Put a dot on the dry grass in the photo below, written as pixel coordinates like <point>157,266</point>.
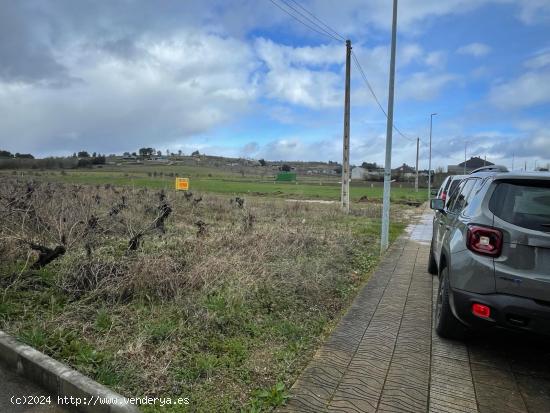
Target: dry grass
<point>219,301</point>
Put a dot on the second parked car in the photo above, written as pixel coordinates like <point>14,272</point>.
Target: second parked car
<point>449,185</point>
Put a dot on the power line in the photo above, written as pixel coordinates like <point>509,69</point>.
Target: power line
<point>314,23</point>
<point>316,28</point>
<point>362,72</point>
<point>356,61</point>
<point>402,134</point>
<point>319,20</point>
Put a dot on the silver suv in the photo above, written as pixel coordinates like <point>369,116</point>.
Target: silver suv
<point>491,250</point>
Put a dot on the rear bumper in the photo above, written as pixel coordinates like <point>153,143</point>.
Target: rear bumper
<point>507,311</point>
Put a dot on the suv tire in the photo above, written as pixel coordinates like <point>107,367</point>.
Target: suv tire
<point>446,324</point>
<point>432,265</point>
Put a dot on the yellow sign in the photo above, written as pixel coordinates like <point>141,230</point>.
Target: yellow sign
<point>182,184</point>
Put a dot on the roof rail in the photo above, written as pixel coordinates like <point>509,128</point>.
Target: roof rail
<point>491,168</point>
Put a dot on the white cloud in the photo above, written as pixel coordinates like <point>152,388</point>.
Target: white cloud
<point>531,88</point>
<point>423,85</point>
<point>533,144</point>
<point>474,49</point>
<point>302,75</point>
<point>297,148</point>
<point>539,61</point>
<point>436,59</point>
<point>408,53</point>
<point>358,16</point>
<point>532,11</point>
<point>180,86</point>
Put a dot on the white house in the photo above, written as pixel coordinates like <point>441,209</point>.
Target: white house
<point>358,173</point>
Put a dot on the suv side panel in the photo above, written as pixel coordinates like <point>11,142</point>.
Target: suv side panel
<point>442,224</point>
<point>469,272</point>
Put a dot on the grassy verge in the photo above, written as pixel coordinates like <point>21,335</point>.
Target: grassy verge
<point>223,304</point>
<point>163,178</point>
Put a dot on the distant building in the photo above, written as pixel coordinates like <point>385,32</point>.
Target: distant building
<point>471,164</point>
<point>358,173</point>
<point>160,159</point>
<point>404,171</point>
<point>371,171</point>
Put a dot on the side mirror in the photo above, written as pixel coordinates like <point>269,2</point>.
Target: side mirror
<point>437,203</point>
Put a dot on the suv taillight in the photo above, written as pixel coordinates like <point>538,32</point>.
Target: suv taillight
<point>484,240</point>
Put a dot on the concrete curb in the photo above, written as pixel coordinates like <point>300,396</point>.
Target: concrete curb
<point>59,379</point>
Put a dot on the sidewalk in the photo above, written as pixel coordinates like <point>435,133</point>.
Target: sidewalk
<point>385,357</point>
<point>12,385</point>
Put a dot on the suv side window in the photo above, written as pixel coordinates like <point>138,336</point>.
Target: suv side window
<point>463,195</point>
<point>473,201</point>
<point>454,195</point>
<point>452,188</point>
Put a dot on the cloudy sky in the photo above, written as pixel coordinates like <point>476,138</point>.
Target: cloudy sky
<point>242,78</point>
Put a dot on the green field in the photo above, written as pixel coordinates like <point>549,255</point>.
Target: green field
<point>219,181</point>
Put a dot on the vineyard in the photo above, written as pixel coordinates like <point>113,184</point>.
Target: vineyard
<point>159,293</point>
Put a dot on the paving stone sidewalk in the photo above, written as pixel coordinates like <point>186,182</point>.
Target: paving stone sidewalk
<point>14,388</point>
<point>385,357</point>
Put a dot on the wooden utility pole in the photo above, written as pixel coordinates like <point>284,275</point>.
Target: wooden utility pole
<point>345,163</point>
<point>416,177</point>
<point>385,233</point>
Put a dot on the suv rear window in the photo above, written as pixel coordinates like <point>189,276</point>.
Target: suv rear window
<point>525,204</point>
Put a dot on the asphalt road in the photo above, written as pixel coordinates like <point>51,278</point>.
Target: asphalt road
<point>14,388</point>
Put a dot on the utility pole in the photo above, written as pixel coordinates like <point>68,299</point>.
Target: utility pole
<point>345,163</point>
<point>430,159</point>
<point>416,177</point>
<point>385,233</point>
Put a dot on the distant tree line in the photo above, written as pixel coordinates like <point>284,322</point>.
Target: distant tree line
<point>46,163</point>
<point>82,159</point>
<point>371,166</point>
<point>8,154</point>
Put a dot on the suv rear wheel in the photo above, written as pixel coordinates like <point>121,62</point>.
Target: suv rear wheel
<point>446,324</point>
<point>432,265</point>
